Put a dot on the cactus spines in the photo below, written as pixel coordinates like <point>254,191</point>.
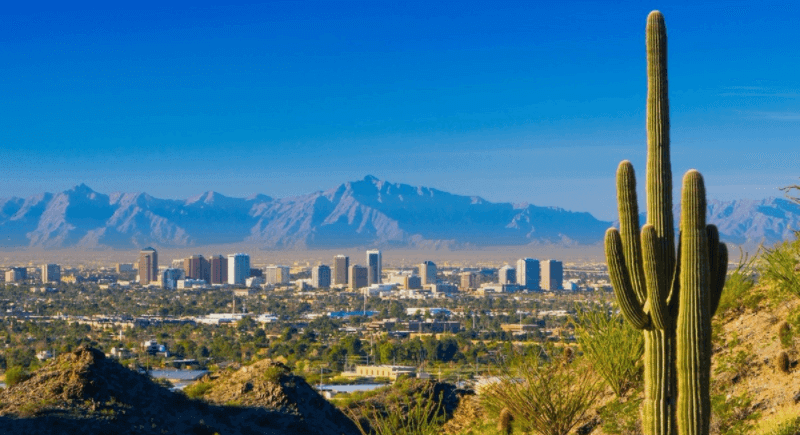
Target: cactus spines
<point>504,422</point>
<point>782,362</point>
<point>669,294</point>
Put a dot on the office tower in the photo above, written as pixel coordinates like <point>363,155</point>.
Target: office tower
<point>321,276</point>
<point>507,275</point>
<point>276,275</point>
<point>427,272</point>
<point>197,267</point>
<point>238,268</point>
<point>13,275</point>
<point>170,277</point>
<point>469,280</point>
<point>373,267</point>
<point>148,266</point>
<point>341,266</point>
<point>218,269</point>
<point>552,275</point>
<point>358,277</point>
<point>51,273</point>
<point>23,272</point>
<point>528,273</point>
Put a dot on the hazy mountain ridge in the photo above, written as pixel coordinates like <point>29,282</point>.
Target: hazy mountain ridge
<point>368,212</point>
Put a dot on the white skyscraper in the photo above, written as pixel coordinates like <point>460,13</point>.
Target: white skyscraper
<point>238,268</point>
<point>506,275</point>
<point>528,275</point>
<point>552,275</point>
<point>427,271</point>
<point>373,267</point>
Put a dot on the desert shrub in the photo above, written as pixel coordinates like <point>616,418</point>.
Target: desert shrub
<point>777,265</point>
<point>736,294</point>
<point>782,362</point>
<point>622,417</point>
<point>785,335</point>
<point>613,346</point>
<point>16,375</point>
<point>409,415</point>
<point>274,373</point>
<point>732,415</point>
<point>548,398</point>
<point>197,389</point>
<point>786,426</point>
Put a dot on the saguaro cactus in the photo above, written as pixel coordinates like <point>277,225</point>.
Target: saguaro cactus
<point>649,280</point>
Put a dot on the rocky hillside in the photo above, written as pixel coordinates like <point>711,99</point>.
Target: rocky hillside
<point>85,393</point>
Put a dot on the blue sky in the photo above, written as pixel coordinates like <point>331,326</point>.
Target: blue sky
<point>513,101</point>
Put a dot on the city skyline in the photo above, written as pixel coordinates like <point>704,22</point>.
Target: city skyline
<point>559,91</point>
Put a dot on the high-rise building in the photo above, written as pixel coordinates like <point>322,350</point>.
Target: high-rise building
<point>148,266</point>
<point>277,275</point>
<point>528,273</point>
<point>341,265</point>
<point>507,275</point>
<point>552,275</point>
<point>358,277</point>
<point>469,280</point>
<point>238,269</point>
<point>321,276</point>
<point>23,272</point>
<point>427,272</point>
<point>197,267</point>
<point>373,267</point>
<point>218,269</point>
<point>170,278</point>
<point>13,275</point>
<point>51,273</point>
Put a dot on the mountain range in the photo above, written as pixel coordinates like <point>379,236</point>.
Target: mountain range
<point>369,212</point>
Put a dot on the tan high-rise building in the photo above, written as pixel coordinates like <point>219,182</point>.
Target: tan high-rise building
<point>469,280</point>
<point>427,272</point>
<point>218,269</point>
<point>197,267</point>
<point>148,266</point>
<point>374,267</point>
<point>51,273</point>
<point>341,266</point>
<point>552,275</point>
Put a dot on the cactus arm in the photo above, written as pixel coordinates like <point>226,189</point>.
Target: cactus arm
<point>629,228</point>
<point>657,300</point>
<point>718,279</point>
<point>693,332</point>
<point>620,280</point>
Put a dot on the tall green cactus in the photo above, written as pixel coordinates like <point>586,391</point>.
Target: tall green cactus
<point>648,279</point>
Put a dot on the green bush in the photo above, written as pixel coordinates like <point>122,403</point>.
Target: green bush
<point>16,375</point>
<point>409,415</point>
<point>785,335</point>
<point>622,417</point>
<point>197,390</point>
<point>548,398</point>
<point>790,426</point>
<point>736,294</point>
<point>612,345</point>
<point>777,268</point>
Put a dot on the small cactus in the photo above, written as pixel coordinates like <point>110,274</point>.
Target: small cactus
<point>783,363</point>
<point>504,422</point>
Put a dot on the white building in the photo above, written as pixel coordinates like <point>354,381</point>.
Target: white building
<point>321,276</point>
<point>427,272</point>
<point>507,275</point>
<point>238,269</point>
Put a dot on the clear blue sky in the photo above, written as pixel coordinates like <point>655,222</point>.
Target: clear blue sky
<point>514,101</point>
